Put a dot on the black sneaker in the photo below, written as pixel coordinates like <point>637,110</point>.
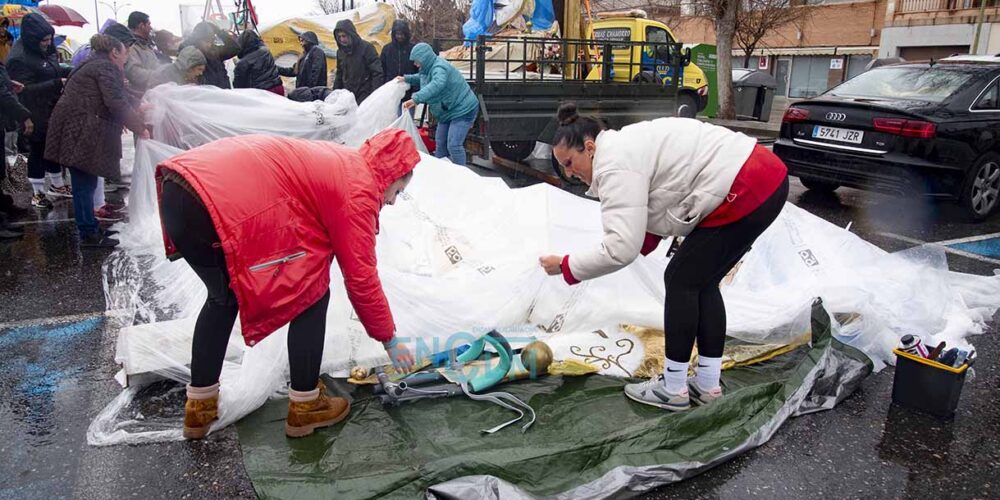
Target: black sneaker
<point>98,241</point>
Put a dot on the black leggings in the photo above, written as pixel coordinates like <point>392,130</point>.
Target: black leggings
<point>694,308</point>
<point>38,166</point>
<point>190,228</point>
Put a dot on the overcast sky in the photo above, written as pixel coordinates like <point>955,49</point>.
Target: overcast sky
<point>165,14</point>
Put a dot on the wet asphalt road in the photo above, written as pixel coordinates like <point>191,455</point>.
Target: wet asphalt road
<point>56,369</point>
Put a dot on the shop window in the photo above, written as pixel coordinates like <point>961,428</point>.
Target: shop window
<point>810,76</point>
<point>856,65</point>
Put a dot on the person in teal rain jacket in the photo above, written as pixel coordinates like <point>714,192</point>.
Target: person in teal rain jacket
<point>450,98</point>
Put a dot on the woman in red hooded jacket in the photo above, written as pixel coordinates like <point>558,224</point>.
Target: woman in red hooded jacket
<point>260,219</point>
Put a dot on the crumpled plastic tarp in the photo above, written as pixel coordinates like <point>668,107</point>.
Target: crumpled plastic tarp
<point>458,253</point>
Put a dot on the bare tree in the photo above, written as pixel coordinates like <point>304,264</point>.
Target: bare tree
<point>328,6</point>
<point>430,19</point>
<point>337,6</point>
<point>725,14</point>
<point>757,19</point>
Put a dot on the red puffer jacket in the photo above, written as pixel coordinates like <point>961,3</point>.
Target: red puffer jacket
<point>284,208</point>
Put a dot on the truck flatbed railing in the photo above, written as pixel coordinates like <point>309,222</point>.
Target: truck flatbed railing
<point>559,59</point>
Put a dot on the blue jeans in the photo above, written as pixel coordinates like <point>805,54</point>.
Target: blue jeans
<point>84,185</point>
<point>450,137</point>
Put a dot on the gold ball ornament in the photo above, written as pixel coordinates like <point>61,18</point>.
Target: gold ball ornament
<point>536,357</point>
<point>359,373</point>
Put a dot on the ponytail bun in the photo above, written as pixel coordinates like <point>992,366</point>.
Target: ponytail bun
<point>575,130</point>
<point>567,114</point>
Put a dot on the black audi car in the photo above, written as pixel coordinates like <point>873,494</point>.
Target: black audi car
<point>929,129</point>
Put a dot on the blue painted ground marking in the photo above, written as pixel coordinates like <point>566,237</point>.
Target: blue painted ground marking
<point>36,355</point>
<point>987,248</point>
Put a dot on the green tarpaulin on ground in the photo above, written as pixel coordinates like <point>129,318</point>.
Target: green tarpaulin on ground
<point>589,440</point>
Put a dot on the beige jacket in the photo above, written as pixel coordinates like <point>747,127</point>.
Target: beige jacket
<point>141,64</point>
<point>661,176</point>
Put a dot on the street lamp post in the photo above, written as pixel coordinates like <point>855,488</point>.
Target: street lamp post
<point>115,7</point>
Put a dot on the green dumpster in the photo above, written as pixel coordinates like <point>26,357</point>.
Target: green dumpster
<point>704,56</point>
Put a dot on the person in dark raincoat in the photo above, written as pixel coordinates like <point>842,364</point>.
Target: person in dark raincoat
<point>310,71</point>
<point>396,56</point>
<point>256,68</point>
<point>33,62</point>
<point>359,69</point>
<point>203,37</point>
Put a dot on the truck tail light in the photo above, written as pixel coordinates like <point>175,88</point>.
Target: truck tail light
<point>795,115</point>
<point>906,128</point>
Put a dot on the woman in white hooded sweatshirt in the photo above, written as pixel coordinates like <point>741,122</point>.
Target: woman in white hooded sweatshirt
<point>673,177</point>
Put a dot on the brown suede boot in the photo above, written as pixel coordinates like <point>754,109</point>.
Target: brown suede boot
<point>201,409</point>
<point>311,410</point>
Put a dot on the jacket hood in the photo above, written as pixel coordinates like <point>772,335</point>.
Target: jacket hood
<point>401,26</point>
<point>423,54</point>
<point>189,58</point>
<point>310,38</point>
<point>249,42</point>
<point>121,33</point>
<point>33,29</point>
<point>390,155</point>
<point>203,31</point>
<point>347,26</point>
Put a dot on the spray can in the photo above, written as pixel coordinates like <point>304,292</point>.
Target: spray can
<point>913,345</point>
<point>961,359</point>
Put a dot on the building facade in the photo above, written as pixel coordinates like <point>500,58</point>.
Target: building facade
<point>834,41</point>
<point>932,29</point>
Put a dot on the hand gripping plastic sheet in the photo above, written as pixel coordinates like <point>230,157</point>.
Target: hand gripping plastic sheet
<point>458,253</point>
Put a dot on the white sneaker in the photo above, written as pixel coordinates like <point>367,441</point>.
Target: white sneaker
<point>700,395</point>
<point>652,392</point>
<point>60,192</point>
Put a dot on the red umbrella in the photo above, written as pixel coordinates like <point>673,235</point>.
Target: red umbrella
<point>63,16</point>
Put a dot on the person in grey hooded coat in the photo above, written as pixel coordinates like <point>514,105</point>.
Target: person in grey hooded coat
<point>187,69</point>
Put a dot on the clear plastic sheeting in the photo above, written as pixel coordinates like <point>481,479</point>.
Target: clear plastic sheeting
<point>459,253</point>
<point>188,116</point>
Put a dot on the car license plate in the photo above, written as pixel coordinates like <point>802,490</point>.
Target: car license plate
<point>838,134</point>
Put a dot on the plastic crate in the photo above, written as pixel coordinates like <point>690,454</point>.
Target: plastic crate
<point>927,385</point>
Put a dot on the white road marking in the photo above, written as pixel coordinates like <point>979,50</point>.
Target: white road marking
<point>970,239</point>
<point>968,255</point>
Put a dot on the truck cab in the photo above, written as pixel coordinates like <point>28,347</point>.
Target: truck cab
<point>648,63</point>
